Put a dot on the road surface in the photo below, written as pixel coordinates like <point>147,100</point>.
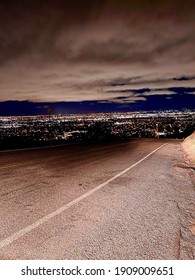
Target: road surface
<point>132,200</point>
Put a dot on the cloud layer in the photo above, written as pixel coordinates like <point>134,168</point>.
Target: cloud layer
<point>95,50</point>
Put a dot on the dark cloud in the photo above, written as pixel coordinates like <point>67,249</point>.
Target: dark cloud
<point>184,78</point>
<point>157,91</point>
<point>139,81</point>
<point>181,90</point>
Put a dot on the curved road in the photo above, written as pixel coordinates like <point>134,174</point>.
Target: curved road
<point>111,201</point>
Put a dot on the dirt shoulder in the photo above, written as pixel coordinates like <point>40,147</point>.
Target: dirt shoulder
<point>188,146</point>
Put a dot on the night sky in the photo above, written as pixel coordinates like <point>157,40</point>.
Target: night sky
<point>86,56</point>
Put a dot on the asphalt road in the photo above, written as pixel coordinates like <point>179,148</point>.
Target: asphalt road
<point>132,200</point>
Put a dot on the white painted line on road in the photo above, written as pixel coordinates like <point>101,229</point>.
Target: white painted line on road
<point>5,242</point>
